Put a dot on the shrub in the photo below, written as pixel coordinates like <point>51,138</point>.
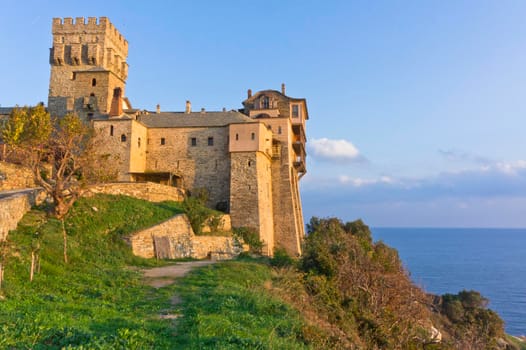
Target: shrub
<point>281,258</point>
<point>250,236</point>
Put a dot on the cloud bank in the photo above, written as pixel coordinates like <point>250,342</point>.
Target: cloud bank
<point>333,150</point>
<point>487,195</point>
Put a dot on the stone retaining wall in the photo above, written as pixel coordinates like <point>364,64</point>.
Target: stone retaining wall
<point>149,191</point>
<point>175,239</point>
<point>15,177</point>
<point>13,206</point>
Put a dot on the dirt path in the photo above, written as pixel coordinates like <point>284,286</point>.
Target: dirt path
<point>158,277</point>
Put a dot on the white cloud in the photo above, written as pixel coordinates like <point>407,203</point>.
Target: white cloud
<point>334,150</point>
<point>359,182</point>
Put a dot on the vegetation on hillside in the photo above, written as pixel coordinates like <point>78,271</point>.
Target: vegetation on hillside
<point>346,292</point>
<point>96,301</point>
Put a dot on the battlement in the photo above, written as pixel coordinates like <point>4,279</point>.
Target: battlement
<point>65,26</point>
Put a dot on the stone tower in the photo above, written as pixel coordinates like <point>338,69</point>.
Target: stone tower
<point>88,66</point>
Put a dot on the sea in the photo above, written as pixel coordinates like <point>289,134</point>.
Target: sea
<point>448,260</point>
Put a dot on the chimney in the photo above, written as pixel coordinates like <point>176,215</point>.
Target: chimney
<point>203,111</point>
<point>249,93</point>
<point>158,109</point>
<point>224,109</point>
<point>188,108</point>
<point>116,103</point>
<point>283,88</point>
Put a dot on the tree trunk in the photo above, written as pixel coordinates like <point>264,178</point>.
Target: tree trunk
<point>1,274</point>
<point>65,241</point>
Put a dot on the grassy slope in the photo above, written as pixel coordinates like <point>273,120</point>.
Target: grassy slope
<point>227,306</point>
<point>98,300</point>
<point>95,300</point>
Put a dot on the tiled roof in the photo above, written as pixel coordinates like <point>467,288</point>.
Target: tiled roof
<point>193,119</point>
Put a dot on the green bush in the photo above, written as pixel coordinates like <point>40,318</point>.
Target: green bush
<point>281,258</point>
<point>248,236</point>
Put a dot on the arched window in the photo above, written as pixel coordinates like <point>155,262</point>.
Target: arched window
<point>93,82</point>
<point>253,136</point>
<point>123,138</point>
<point>111,130</point>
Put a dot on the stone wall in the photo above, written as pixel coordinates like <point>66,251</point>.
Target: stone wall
<point>174,239</point>
<point>143,190</point>
<point>201,166</point>
<point>14,205</point>
<point>15,177</point>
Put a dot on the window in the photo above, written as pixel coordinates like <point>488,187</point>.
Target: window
<point>73,76</point>
<point>265,102</point>
<point>90,116</point>
<point>92,94</point>
<point>279,129</point>
<point>139,142</point>
<point>253,136</point>
<point>237,137</point>
<point>249,163</point>
<point>193,141</point>
<point>123,138</point>
<point>210,141</point>
<point>111,130</point>
<point>93,82</point>
<point>163,141</point>
<point>295,111</point>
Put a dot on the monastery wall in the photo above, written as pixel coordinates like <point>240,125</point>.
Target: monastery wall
<point>14,205</point>
<point>143,190</point>
<point>15,177</point>
<point>200,166</point>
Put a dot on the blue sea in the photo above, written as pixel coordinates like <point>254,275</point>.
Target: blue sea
<point>448,260</point>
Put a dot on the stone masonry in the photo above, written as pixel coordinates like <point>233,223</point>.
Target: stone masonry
<point>175,239</point>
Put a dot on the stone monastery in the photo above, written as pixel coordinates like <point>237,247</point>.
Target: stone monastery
<point>250,160</point>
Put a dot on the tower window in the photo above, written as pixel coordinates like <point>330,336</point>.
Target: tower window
<point>295,111</point>
<point>73,76</point>
<point>163,141</point>
<point>123,138</point>
<point>237,137</point>
<point>193,141</point>
<point>210,141</point>
<point>253,136</point>
<point>93,82</point>
<point>111,130</point>
<point>265,102</point>
<point>92,94</point>
<point>279,129</point>
<point>139,142</point>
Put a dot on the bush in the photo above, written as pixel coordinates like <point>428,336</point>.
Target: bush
<point>281,258</point>
<point>248,236</point>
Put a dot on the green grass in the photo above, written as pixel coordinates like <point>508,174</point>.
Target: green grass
<point>226,306</point>
<point>96,301</point>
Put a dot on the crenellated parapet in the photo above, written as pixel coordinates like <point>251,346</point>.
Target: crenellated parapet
<point>95,42</point>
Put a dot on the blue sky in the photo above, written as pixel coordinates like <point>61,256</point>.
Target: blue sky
<point>417,107</point>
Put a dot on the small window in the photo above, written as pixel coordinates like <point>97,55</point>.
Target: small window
<point>237,137</point>
<point>93,82</point>
<point>265,102</point>
<point>279,129</point>
<point>193,141</point>
<point>90,116</point>
<point>163,141</point>
<point>73,76</point>
<point>295,111</point>
<point>139,142</point>
<point>253,136</point>
<point>92,94</point>
<point>210,141</point>
<point>249,163</point>
<point>111,130</point>
<point>123,138</point>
